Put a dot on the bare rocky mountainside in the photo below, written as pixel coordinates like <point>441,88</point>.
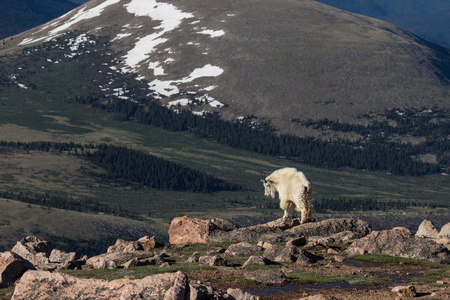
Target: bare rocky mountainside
<point>216,259</point>
<point>276,60</point>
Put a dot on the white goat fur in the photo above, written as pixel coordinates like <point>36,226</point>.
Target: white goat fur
<point>294,191</point>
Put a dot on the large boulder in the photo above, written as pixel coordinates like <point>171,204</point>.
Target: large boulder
<point>34,250</point>
<point>114,259</point>
<point>12,266</point>
<point>427,230</point>
<point>63,286</point>
<point>243,249</point>
<point>290,254</point>
<point>445,231</point>
<point>329,227</point>
<point>190,230</point>
<point>143,244</point>
<point>402,243</point>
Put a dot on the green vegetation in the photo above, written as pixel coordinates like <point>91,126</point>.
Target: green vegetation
<point>379,258</point>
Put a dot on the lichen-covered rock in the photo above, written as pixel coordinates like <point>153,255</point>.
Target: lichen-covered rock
<point>256,260</point>
<point>329,227</point>
<point>290,254</point>
<point>402,243</point>
<point>58,256</point>
<point>12,266</point>
<point>405,291</point>
<point>215,261</point>
<point>33,249</point>
<point>169,286</point>
<point>445,231</point>
<point>189,230</point>
<point>242,249</point>
<point>114,259</point>
<point>299,241</point>
<point>427,230</point>
<point>267,276</point>
<point>239,294</point>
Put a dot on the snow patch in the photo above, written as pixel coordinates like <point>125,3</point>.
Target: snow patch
<point>166,88</point>
<point>212,33</point>
<point>81,15</point>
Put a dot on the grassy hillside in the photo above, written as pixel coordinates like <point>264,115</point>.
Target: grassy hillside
<point>427,19</point>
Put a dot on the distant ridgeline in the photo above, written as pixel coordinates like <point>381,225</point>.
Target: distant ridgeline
<point>126,166</point>
<point>378,154</point>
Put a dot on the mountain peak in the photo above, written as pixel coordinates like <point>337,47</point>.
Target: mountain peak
<point>278,60</point>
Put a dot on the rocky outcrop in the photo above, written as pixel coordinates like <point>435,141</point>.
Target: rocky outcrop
<point>243,249</point>
<point>427,230</point>
<point>116,259</point>
<point>445,231</point>
<point>143,244</point>
<point>405,291</point>
<point>290,254</point>
<point>12,266</point>
<point>63,286</point>
<point>188,230</point>
<point>402,243</point>
<point>34,250</point>
<point>329,227</point>
<point>43,256</point>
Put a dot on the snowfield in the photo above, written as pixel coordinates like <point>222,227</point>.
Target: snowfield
<point>139,57</point>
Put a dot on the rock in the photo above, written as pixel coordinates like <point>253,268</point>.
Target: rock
<point>187,230</point>
<point>289,254</point>
<point>123,246</point>
<point>243,249</point>
<point>215,261</point>
<point>12,266</point>
<point>332,226</point>
<point>332,251</point>
<point>62,286</point>
<point>239,294</point>
<point>445,231</point>
<point>29,247</point>
<point>445,241</point>
<point>178,290</point>
<point>405,291</point>
<point>256,260</point>
<point>284,223</point>
<point>224,225</point>
<point>267,276</point>
<point>265,245</point>
<point>300,241</point>
<point>344,237</point>
<point>149,243</point>
<point>199,291</point>
<point>427,230</point>
<point>58,256</point>
<point>108,260</point>
<point>319,297</point>
<point>143,244</point>
<point>134,262</point>
<point>400,242</point>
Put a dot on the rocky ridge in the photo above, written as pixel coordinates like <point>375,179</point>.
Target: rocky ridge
<point>34,264</point>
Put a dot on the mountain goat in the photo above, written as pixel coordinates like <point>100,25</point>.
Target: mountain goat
<point>294,191</point>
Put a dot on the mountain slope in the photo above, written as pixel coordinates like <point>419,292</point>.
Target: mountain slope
<point>275,60</point>
<point>428,19</point>
<point>20,15</point>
